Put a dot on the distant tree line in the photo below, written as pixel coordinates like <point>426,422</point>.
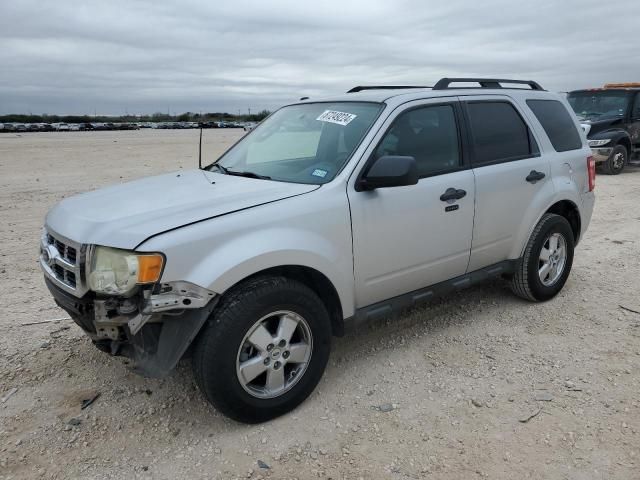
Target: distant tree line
<point>156,117</point>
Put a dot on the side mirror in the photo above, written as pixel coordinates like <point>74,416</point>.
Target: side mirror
<point>390,171</point>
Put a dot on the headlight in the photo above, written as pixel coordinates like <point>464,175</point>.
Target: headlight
<point>599,143</point>
<point>117,272</point>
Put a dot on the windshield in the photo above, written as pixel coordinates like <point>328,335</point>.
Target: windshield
<point>308,143</point>
<point>593,105</point>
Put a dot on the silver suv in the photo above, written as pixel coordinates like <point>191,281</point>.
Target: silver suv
<point>329,213</point>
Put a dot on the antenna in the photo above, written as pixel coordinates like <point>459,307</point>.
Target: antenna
<point>200,151</point>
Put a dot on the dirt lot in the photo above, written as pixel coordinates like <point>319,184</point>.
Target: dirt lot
<point>456,380</point>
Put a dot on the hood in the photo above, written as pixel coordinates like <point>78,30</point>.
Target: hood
<point>125,215</point>
<point>592,125</point>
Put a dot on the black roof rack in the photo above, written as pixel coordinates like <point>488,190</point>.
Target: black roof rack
<point>444,83</point>
<point>383,87</point>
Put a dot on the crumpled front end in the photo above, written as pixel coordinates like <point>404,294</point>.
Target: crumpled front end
<point>153,327</point>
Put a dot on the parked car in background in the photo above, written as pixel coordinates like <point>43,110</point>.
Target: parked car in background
<point>61,127</point>
<point>610,117</point>
<point>249,126</point>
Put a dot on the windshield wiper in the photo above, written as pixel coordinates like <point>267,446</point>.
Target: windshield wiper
<point>221,168</point>
<point>246,174</point>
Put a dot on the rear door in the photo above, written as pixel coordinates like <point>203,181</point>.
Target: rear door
<point>509,174</point>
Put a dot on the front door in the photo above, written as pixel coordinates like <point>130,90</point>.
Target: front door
<point>406,238</point>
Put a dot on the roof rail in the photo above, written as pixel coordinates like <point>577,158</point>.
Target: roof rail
<point>444,83</point>
<point>384,87</point>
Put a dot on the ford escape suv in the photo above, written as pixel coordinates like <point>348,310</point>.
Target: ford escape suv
<point>329,213</point>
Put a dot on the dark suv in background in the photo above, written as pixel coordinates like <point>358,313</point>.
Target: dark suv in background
<point>610,116</point>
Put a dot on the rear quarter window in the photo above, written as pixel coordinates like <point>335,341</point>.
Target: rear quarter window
<point>557,123</point>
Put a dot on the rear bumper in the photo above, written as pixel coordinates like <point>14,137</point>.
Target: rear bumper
<point>155,348</point>
<point>601,154</point>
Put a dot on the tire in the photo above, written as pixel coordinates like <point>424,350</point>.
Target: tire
<point>224,345</point>
<point>528,282</point>
<point>616,161</point>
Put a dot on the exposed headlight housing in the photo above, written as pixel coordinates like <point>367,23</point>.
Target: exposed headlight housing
<point>599,143</point>
<point>118,272</point>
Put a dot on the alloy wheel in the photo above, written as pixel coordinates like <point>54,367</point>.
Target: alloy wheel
<point>274,354</point>
<point>552,259</point>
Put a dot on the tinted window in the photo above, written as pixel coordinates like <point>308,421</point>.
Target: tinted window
<point>557,123</point>
<point>499,133</point>
<point>428,134</point>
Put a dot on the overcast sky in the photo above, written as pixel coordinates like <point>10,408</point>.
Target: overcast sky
<point>145,56</point>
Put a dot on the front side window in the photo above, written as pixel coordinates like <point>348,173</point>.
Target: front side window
<point>428,134</point>
<point>308,143</point>
<point>499,133</point>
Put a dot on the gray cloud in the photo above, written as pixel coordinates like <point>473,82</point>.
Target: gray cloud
<point>143,56</point>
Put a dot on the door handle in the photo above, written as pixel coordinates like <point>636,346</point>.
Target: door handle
<point>452,194</point>
<point>534,176</point>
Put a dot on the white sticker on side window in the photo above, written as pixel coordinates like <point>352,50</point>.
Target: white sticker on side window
<point>332,116</point>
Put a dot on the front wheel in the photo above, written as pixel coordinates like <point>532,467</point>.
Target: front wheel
<point>264,349</point>
<point>545,266</point>
<point>616,161</point>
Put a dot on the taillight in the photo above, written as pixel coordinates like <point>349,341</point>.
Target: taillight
<point>591,168</point>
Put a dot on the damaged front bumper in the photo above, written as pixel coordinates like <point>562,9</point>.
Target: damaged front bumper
<point>154,329</point>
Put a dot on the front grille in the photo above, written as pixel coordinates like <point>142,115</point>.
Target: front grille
<point>59,271</point>
<point>67,252</point>
<point>63,261</point>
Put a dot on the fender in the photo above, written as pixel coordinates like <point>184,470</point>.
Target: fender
<point>219,253</point>
<point>526,228</point>
<point>615,134</point>
<point>232,263</point>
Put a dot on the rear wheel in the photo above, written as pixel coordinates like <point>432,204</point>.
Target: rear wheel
<point>264,349</point>
<point>616,161</point>
<point>545,266</point>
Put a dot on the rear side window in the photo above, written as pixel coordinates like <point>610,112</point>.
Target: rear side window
<point>557,123</point>
<point>499,133</point>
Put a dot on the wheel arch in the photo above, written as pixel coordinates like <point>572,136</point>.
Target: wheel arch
<point>560,205</point>
<point>625,141</point>
<point>316,281</point>
<point>570,211</point>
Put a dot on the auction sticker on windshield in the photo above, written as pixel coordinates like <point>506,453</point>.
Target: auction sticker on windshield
<point>332,116</point>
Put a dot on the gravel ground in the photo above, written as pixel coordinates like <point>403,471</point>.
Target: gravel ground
<point>478,385</point>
